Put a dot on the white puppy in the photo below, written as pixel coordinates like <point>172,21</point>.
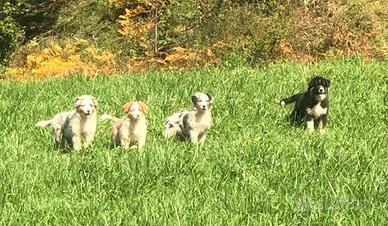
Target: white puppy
<point>74,129</point>
<point>131,129</point>
<point>191,124</point>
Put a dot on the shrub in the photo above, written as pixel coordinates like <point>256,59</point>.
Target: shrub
<point>177,34</point>
<point>61,59</point>
<point>10,32</point>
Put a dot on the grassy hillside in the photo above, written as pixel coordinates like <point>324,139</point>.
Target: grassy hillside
<point>254,168</point>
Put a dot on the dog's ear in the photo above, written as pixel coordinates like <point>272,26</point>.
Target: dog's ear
<point>77,101</point>
<point>95,102</point>
<point>127,107</point>
<point>327,83</point>
<point>211,99</point>
<point>193,99</point>
<point>312,82</point>
<point>144,107</point>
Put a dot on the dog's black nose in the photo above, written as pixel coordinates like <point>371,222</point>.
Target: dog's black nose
<point>321,90</point>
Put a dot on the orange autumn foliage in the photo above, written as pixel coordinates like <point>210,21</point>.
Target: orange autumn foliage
<point>59,60</point>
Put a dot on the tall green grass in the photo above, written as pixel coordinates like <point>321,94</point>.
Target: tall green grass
<point>254,169</point>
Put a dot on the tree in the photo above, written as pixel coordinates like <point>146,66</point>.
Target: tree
<point>10,31</point>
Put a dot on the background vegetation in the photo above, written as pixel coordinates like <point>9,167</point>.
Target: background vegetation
<point>254,169</point>
<point>41,38</point>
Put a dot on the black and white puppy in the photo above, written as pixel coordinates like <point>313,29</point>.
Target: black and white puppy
<point>311,106</point>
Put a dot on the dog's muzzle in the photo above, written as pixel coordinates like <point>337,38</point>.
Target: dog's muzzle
<point>321,90</point>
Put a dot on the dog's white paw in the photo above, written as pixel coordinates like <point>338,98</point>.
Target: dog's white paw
<point>282,103</point>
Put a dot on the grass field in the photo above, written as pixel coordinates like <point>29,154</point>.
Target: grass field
<point>254,169</point>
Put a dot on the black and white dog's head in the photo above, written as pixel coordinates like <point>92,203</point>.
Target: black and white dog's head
<point>319,87</point>
<point>202,101</point>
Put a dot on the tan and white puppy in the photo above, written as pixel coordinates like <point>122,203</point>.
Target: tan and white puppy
<point>130,130</point>
<point>74,129</point>
<point>191,124</point>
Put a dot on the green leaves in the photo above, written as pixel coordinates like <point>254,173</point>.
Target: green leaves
<point>10,31</point>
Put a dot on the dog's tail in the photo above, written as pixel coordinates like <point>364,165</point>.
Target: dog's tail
<point>289,100</point>
<point>110,118</point>
<point>171,130</point>
<point>44,123</point>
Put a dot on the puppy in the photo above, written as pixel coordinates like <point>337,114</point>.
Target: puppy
<point>131,129</point>
<point>191,124</point>
<point>312,105</point>
<point>74,129</point>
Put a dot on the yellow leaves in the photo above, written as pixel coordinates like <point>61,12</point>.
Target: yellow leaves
<point>133,27</point>
<point>107,56</point>
<point>144,63</point>
<point>80,42</point>
<point>286,49</point>
<point>20,73</point>
<point>58,60</point>
<point>92,51</point>
<point>116,3</point>
<point>56,50</point>
<point>75,58</point>
<point>181,54</point>
<point>138,26</point>
<point>179,29</point>
<point>179,58</point>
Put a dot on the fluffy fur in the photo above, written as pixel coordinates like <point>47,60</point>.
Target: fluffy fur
<point>74,129</point>
<point>191,124</point>
<point>130,130</point>
<point>311,106</point>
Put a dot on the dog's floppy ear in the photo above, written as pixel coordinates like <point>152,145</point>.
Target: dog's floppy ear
<point>127,107</point>
<point>312,82</point>
<point>327,83</point>
<point>211,99</point>
<point>193,98</point>
<point>95,102</point>
<point>144,107</point>
<point>77,101</point>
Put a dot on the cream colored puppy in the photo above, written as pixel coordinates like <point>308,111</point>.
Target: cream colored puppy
<point>130,130</point>
<point>74,129</point>
<point>191,124</point>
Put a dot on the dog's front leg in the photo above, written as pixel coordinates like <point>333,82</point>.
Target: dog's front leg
<point>322,124</point>
<point>88,139</point>
<point>76,140</point>
<point>141,143</point>
<point>194,136</point>
<point>124,142</point>
<point>310,124</point>
<point>123,136</point>
<point>202,138</point>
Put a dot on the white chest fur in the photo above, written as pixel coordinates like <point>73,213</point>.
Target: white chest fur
<point>317,110</point>
<point>204,121</point>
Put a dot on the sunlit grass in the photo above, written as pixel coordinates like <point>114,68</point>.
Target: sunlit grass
<point>255,169</point>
